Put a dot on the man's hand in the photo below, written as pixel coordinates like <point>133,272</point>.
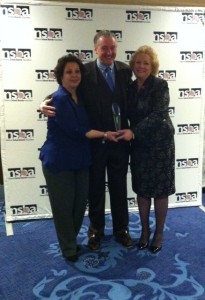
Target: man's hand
<point>48,111</point>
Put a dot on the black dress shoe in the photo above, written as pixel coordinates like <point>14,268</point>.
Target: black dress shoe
<point>94,242</point>
<point>78,248</point>
<point>155,249</point>
<point>124,238</point>
<point>72,258</point>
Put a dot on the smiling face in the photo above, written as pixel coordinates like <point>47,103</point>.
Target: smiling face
<point>106,50</point>
<point>71,76</point>
<point>143,66</point>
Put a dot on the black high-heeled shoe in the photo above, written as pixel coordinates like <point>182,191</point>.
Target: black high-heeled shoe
<point>155,249</point>
<point>156,245</point>
<point>143,245</point>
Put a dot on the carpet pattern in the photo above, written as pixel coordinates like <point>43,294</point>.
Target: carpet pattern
<point>32,266</point>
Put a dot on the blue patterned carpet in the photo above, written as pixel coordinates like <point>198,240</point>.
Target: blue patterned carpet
<point>33,268</point>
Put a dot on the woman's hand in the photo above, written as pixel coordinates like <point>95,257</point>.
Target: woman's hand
<point>112,136</point>
<point>125,134</point>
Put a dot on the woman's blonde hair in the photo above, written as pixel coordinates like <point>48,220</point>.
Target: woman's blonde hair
<point>152,54</point>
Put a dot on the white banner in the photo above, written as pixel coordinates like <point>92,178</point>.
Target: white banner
<point>34,34</point>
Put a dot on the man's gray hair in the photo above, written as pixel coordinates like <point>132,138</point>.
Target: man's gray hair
<point>104,33</point>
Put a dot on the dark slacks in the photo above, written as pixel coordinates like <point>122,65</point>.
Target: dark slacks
<point>68,194</point>
<point>113,158</point>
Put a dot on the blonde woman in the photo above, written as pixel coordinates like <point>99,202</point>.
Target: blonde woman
<point>152,144</point>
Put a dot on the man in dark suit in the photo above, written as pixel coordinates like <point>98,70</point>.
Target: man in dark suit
<point>107,156</point>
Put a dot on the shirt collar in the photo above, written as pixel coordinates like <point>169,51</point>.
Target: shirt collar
<point>103,67</point>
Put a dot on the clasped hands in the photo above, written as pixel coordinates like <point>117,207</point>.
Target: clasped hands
<point>124,134</point>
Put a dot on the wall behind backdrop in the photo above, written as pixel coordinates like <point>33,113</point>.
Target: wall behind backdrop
<point>33,36</point>
<point>196,3</point>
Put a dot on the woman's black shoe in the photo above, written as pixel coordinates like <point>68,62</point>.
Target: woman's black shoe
<point>156,244</point>
<point>155,249</point>
<point>141,244</point>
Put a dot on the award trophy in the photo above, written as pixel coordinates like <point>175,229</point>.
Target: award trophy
<point>116,116</point>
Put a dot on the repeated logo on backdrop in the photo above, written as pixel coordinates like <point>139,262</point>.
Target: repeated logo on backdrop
<point>193,17</point>
<point>79,14</point>
<point>188,128</point>
<point>191,56</point>
<point>26,209</point>
<point>190,93</point>
<point>17,54</point>
<point>186,196</point>
<point>15,11</point>
<point>48,34</point>
<point>18,95</point>
<point>45,75</point>
<point>187,163</point>
<point>20,135</point>
<point>169,75</point>
<point>165,37</point>
<point>21,173</point>
<point>138,16</point>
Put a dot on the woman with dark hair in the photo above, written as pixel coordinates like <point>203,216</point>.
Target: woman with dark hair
<point>66,156</point>
<point>152,144</point>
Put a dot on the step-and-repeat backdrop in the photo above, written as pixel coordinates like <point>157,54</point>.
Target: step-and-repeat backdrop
<point>34,34</point>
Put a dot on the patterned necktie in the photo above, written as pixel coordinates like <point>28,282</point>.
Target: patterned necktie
<point>108,77</point>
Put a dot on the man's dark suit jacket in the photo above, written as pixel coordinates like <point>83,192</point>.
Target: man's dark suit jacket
<point>98,99</point>
<point>97,96</point>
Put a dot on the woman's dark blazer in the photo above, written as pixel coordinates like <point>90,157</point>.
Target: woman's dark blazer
<point>149,112</point>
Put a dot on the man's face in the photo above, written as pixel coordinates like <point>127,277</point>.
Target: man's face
<point>106,50</point>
